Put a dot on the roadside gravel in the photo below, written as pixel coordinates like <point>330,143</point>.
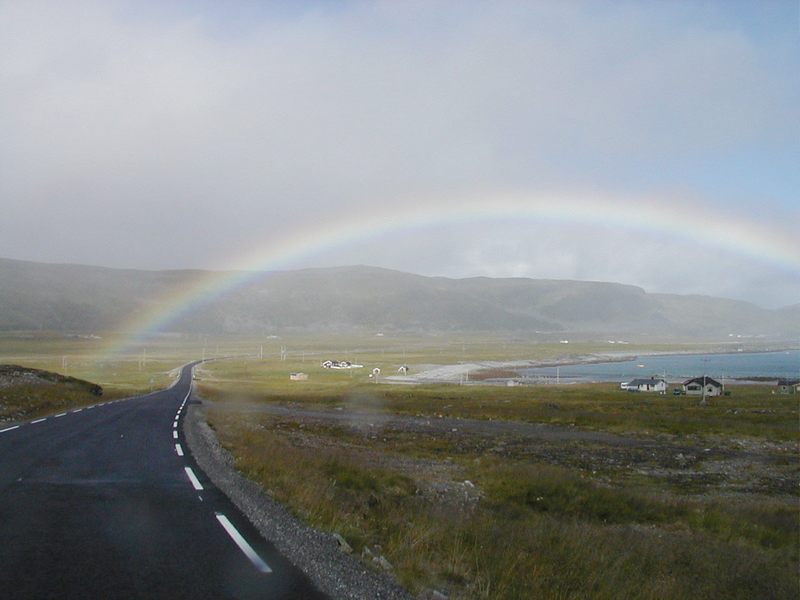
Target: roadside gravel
<point>335,573</point>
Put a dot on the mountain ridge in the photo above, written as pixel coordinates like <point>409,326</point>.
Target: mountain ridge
<point>81,297</point>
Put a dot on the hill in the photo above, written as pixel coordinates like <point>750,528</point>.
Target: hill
<point>27,393</point>
<point>84,298</point>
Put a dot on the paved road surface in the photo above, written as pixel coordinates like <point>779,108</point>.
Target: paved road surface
<point>105,502</point>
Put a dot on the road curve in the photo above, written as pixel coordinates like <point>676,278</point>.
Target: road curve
<point>106,502</point>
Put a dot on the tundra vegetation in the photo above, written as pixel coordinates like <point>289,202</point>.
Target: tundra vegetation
<point>482,491</point>
<point>593,492</point>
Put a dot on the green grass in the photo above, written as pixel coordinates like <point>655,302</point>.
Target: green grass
<point>22,402</point>
<point>543,522</point>
<point>539,530</point>
<point>565,493</point>
<point>751,411</point>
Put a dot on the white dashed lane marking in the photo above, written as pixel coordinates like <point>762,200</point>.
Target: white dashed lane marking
<point>254,558</point>
<point>9,428</point>
<point>174,435</point>
<point>178,449</point>
<point>38,421</point>
<point>193,478</point>
<point>59,415</point>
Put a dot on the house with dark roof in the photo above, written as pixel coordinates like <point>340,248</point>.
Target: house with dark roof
<point>702,386</point>
<point>645,385</point>
<point>789,386</point>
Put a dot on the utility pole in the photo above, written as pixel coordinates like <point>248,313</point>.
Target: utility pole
<point>705,371</point>
<point>703,401</point>
<point>261,352</point>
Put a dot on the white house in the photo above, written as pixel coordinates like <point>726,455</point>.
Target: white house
<point>645,385</point>
<point>339,364</point>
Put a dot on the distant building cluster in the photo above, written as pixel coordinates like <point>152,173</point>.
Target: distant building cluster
<point>697,386</point>
<point>340,364</point>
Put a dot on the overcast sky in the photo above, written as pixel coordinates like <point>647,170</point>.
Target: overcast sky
<point>186,134</point>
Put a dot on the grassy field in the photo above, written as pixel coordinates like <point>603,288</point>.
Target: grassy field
<point>704,503</point>
<point>751,410</point>
<point>695,502</point>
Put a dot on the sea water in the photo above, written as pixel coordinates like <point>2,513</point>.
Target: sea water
<point>740,365</point>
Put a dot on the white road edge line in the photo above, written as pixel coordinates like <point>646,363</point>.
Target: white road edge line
<point>38,421</point>
<point>254,558</point>
<point>9,428</point>
<point>77,410</point>
<point>174,435</point>
<point>59,415</point>
<point>193,478</point>
<point>178,449</point>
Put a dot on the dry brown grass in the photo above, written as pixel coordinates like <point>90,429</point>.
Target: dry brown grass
<point>530,529</point>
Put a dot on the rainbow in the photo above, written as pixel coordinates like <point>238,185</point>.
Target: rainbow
<point>675,218</point>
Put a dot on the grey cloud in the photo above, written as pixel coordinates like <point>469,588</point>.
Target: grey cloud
<point>181,139</point>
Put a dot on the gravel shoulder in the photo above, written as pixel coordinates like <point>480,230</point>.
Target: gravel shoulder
<point>334,572</point>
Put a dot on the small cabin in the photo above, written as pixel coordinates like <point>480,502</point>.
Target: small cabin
<point>789,386</point>
<point>702,386</point>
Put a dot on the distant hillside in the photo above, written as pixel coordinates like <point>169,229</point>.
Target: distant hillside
<point>81,298</point>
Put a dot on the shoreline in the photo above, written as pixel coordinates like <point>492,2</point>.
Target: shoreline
<point>459,372</point>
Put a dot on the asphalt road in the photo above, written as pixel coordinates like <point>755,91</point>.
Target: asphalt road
<point>106,502</point>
